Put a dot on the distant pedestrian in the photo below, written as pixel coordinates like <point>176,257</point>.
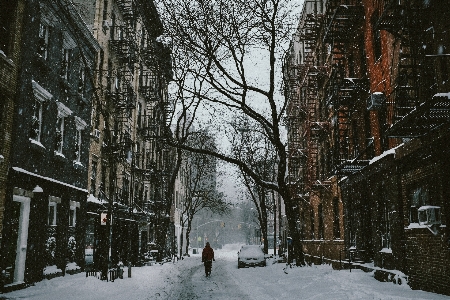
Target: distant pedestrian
<point>207,258</point>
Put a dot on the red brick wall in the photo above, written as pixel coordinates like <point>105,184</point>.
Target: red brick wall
<point>427,253</point>
<point>428,261</point>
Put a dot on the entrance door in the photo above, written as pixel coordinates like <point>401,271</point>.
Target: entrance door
<point>22,238</point>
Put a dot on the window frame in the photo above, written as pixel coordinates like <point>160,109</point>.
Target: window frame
<point>63,113</point>
<point>73,213</point>
<point>44,33</point>
<point>80,125</point>
<point>40,95</point>
<point>53,202</point>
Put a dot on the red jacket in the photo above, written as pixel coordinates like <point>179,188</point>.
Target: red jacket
<point>208,253</point>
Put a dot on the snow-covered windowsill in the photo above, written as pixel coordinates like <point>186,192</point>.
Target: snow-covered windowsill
<point>6,59</point>
<point>386,250</point>
<point>78,165</point>
<point>433,229</point>
<point>59,156</point>
<point>36,145</point>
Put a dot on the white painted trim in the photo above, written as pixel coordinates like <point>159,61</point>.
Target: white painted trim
<point>80,123</point>
<point>39,92</point>
<point>20,170</point>
<point>21,250</point>
<point>63,111</point>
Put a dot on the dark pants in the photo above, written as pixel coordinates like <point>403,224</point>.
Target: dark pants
<point>208,265</point>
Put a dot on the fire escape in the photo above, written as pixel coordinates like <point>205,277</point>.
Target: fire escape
<point>155,128</point>
<point>343,24</point>
<point>302,115</point>
<point>416,105</point>
<point>121,98</point>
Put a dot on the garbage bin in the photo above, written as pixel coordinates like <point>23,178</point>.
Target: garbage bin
<point>194,251</point>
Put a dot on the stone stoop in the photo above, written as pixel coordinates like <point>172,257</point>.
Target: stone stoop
<point>13,287</point>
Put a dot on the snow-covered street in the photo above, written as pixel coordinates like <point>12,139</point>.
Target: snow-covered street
<point>185,279</point>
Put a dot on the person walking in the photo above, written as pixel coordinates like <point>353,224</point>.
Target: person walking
<point>208,258</point>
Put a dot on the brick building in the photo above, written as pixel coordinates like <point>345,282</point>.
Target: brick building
<point>46,188</point>
<point>382,89</point>
<point>10,40</point>
<point>129,165</point>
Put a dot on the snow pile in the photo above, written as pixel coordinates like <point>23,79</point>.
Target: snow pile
<point>185,279</point>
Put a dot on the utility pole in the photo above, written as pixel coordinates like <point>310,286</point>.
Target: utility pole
<point>274,224</point>
<point>197,234</point>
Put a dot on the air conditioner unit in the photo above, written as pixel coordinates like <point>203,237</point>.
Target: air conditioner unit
<point>97,133</point>
<point>429,215</point>
<point>376,101</point>
<point>105,25</point>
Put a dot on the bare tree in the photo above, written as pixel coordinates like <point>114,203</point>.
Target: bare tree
<point>253,148</point>
<point>215,64</point>
<point>201,192</point>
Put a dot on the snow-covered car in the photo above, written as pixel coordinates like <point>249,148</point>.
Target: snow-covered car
<point>151,255</point>
<point>251,255</point>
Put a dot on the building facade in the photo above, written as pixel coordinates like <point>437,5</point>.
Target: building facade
<point>11,16</point>
<point>130,165</point>
<point>46,187</point>
<point>371,78</point>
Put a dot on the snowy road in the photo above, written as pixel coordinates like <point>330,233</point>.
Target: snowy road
<point>221,285</point>
<point>185,280</point>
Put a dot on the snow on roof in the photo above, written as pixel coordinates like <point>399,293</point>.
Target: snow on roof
<point>442,95</point>
<point>386,250</point>
<point>385,153</point>
<point>20,170</point>
<point>427,207</point>
<point>93,199</point>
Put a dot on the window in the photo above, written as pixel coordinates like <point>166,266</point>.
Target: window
<point>376,37</point>
<point>103,176</point>
<point>93,176</point>
<point>336,226</point>
<point>73,213</point>
<point>36,121</point>
<point>53,210</point>
<point>80,126</point>
<point>321,224</point>
<point>126,188</point>
<point>63,112</point>
<point>65,64</point>
<point>105,9</point>
<point>139,115</point>
<point>419,197</point>
<point>40,96</point>
<point>82,81</point>
<point>44,31</point>
<point>137,154</point>
<point>385,227</point>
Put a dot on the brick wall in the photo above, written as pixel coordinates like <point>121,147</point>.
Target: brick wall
<point>428,261</point>
<point>427,253</point>
<point>8,82</point>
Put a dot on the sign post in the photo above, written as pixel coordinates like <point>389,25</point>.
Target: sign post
<point>289,247</point>
<point>103,219</point>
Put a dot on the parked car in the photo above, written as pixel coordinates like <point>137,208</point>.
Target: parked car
<point>151,256</point>
<point>251,255</point>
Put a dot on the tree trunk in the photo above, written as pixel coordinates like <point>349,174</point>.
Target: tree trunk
<point>188,239</point>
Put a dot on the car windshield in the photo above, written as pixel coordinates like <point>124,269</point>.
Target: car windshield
<point>251,250</point>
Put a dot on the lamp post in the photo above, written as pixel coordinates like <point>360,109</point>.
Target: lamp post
<point>197,235</point>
